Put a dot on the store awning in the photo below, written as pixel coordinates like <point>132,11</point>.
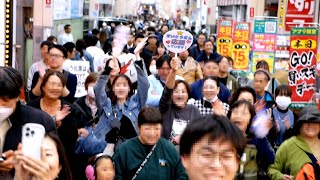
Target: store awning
<point>231,2</point>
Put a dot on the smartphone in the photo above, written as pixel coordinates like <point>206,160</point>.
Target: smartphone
<point>2,158</point>
<point>32,137</point>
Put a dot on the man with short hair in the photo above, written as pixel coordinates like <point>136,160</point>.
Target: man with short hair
<point>196,49</point>
<point>66,36</point>
<point>43,63</point>
<point>148,156</point>
<point>210,68</point>
<point>71,49</point>
<point>225,77</point>
<point>13,116</point>
<point>211,147</point>
<point>264,98</point>
<point>58,55</point>
<point>158,81</point>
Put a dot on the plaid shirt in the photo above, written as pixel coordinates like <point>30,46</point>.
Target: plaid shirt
<point>205,107</point>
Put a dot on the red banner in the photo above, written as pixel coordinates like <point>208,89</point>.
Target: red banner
<point>299,12</point>
<point>302,67</point>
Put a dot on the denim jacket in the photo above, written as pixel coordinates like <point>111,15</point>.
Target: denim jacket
<point>131,107</point>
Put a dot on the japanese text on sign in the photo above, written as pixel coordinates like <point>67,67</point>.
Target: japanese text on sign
<point>177,40</point>
<point>80,69</point>
<point>302,66</point>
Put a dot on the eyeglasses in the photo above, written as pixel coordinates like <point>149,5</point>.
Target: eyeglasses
<point>225,158</point>
<point>55,56</point>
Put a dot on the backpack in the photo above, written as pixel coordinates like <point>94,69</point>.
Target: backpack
<point>248,164</point>
<point>309,171</point>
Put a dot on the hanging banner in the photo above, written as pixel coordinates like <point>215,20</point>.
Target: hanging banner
<point>265,35</point>
<point>282,15</point>
<point>302,66</point>
<point>241,46</point>
<point>269,57</point>
<point>224,43</point>
<point>299,12</point>
<point>264,42</point>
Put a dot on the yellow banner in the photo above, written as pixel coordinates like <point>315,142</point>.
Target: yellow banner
<point>267,56</point>
<point>282,15</point>
<point>303,44</point>
<point>224,46</point>
<point>241,55</point>
<point>318,57</point>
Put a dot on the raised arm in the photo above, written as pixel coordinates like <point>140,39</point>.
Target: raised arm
<point>101,96</point>
<point>143,85</point>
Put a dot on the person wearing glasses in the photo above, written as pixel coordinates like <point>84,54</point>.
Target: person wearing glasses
<point>57,55</point>
<point>211,147</point>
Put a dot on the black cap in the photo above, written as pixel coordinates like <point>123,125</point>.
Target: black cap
<point>310,114</point>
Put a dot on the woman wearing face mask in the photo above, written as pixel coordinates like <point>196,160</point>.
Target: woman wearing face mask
<point>173,105</point>
<point>161,50</point>
<point>52,166</point>
<point>283,116</point>
<point>210,103</point>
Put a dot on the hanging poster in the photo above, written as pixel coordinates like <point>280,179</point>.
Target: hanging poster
<point>302,66</point>
<point>241,46</point>
<point>224,43</point>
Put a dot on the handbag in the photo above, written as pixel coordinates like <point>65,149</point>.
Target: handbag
<point>90,145</point>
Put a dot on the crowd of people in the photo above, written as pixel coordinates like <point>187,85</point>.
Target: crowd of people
<point>175,117</point>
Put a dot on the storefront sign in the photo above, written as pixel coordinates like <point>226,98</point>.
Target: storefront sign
<point>302,66</point>
<point>299,12</point>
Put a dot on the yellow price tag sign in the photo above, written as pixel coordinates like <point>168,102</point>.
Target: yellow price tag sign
<point>224,46</point>
<point>240,52</point>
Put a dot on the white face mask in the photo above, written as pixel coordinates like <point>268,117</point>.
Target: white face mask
<point>91,92</point>
<point>5,112</point>
<point>283,102</point>
<point>153,69</point>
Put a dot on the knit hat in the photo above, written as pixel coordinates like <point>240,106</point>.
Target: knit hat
<point>310,114</point>
<point>264,72</point>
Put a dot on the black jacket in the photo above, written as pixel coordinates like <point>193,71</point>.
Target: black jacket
<point>22,115</point>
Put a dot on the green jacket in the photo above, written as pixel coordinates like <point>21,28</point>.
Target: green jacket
<point>164,163</point>
<point>290,158</point>
<point>232,83</point>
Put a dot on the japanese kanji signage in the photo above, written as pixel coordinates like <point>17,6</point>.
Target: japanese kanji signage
<point>302,66</point>
<point>80,69</point>
<point>177,41</point>
<point>264,42</point>
<point>265,35</point>
<point>299,12</point>
<point>241,47</point>
<point>224,43</point>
